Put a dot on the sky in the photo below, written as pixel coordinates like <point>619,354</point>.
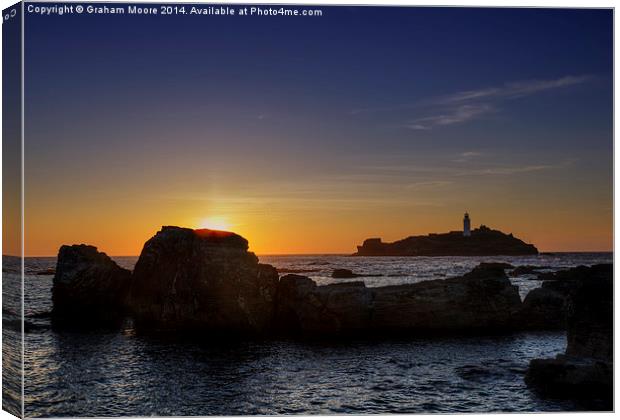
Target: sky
<point>311,134</point>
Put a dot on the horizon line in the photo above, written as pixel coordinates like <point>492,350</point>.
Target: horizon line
<point>348,254</point>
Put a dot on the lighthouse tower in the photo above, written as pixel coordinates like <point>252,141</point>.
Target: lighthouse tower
<point>466,225</point>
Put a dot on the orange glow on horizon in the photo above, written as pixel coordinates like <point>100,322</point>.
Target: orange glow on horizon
<point>333,220</point>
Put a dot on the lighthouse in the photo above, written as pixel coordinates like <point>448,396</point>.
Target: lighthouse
<point>466,225</point>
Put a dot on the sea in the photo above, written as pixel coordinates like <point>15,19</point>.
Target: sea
<point>121,373</point>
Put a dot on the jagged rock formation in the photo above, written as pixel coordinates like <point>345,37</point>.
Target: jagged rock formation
<point>189,279</point>
<point>585,371</point>
<point>88,287</point>
<point>547,307</point>
<point>483,241</point>
<point>482,300</point>
<point>304,307</point>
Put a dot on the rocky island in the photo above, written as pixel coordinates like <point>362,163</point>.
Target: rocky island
<point>477,242</point>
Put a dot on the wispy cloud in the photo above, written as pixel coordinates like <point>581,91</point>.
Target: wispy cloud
<point>468,105</point>
<point>467,156</point>
<point>512,170</point>
<point>428,184</point>
<point>467,164</point>
<point>457,115</point>
<point>512,90</point>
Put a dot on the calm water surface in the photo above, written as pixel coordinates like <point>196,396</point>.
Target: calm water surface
<point>111,373</point>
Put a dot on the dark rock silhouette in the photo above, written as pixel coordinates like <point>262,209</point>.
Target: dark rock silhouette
<point>546,307</point>
<point>343,273</point>
<point>526,269</point>
<point>88,287</point>
<point>304,307</point>
<point>483,241</point>
<point>585,371</point>
<point>549,275</point>
<point>189,279</point>
<point>482,300</point>
<point>495,265</point>
<point>296,270</point>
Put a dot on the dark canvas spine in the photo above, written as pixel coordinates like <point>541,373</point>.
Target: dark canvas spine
<point>12,211</point>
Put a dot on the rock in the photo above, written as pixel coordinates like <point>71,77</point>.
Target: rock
<point>590,314</point>
<point>304,307</point>
<point>88,287</point>
<point>585,371</point>
<point>483,241</point>
<point>343,273</point>
<point>296,270</point>
<point>544,309</point>
<point>203,279</point>
<point>549,275</point>
<point>482,300</point>
<point>587,380</point>
<point>46,272</point>
<point>500,265</point>
<point>526,269</point>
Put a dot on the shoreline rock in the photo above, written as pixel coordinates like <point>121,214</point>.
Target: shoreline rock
<point>585,371</point>
<point>88,287</point>
<point>203,279</point>
<point>526,269</point>
<point>547,307</point>
<point>482,300</point>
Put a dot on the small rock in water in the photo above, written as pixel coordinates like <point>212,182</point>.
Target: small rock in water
<point>297,270</point>
<point>502,265</point>
<point>343,273</point>
<point>526,269</point>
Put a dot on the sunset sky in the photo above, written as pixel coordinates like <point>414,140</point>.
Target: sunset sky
<point>310,134</point>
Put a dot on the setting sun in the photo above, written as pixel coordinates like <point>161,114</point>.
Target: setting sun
<point>215,223</point>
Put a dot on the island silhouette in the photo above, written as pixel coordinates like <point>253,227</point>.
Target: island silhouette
<point>477,242</point>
